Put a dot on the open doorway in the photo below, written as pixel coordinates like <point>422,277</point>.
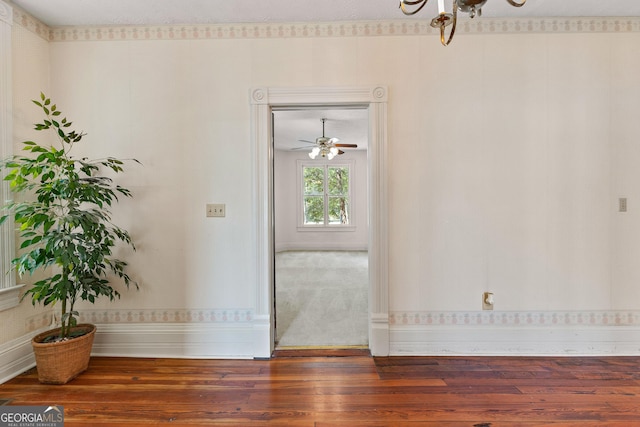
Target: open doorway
<point>320,178</point>
<point>263,101</point>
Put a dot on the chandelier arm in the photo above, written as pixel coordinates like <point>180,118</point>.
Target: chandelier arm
<point>453,25</point>
<point>444,19</point>
<point>404,3</point>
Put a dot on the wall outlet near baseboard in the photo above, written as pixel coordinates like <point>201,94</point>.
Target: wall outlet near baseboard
<point>487,301</point>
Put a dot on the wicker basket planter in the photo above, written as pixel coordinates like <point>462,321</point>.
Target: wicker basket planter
<point>60,362</point>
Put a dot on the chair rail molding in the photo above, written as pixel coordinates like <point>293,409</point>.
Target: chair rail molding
<point>263,100</point>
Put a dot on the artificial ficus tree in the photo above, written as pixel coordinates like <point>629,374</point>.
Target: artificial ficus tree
<point>64,219</point>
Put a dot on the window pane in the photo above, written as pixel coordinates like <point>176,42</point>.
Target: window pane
<point>338,181</point>
<point>313,180</point>
<point>338,210</point>
<point>313,210</point>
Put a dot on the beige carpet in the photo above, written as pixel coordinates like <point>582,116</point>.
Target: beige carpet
<point>321,298</point>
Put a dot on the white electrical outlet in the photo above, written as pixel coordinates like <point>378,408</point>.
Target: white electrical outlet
<point>487,301</point>
<point>215,210</point>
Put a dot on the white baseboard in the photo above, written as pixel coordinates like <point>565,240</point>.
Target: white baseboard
<point>379,334</point>
<point>176,340</point>
<point>16,356</point>
<point>466,340</point>
<point>173,340</point>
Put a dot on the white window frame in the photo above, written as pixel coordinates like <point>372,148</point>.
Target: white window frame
<point>9,291</point>
<point>350,164</point>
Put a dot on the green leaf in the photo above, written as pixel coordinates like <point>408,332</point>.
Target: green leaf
<point>65,222</point>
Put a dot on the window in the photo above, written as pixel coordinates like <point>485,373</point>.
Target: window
<point>9,292</point>
<point>326,195</point>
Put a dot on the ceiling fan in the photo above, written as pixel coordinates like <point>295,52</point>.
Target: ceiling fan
<point>326,147</point>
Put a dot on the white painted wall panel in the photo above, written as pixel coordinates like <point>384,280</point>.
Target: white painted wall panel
<point>500,159</point>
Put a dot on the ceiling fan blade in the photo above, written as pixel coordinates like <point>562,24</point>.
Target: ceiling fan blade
<point>308,142</point>
<point>300,148</point>
<point>347,145</point>
<point>340,152</point>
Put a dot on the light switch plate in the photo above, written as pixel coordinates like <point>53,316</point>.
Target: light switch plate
<point>622,204</point>
<point>215,210</point>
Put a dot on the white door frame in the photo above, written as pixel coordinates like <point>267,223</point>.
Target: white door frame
<point>263,100</point>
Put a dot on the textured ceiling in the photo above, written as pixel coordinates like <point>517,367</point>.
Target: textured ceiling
<point>158,12</point>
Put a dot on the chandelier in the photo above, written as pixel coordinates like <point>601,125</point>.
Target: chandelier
<point>472,7</point>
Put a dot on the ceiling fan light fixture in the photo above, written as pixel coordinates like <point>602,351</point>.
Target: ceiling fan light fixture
<point>314,152</point>
<point>327,147</point>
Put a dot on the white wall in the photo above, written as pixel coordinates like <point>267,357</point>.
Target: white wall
<point>507,153</point>
<point>288,236</point>
<point>30,75</point>
<point>510,157</point>
<point>513,192</point>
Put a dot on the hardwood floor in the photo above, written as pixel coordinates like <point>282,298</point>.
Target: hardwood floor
<point>326,389</point>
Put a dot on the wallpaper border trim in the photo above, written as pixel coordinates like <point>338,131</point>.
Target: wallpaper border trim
<point>167,316</point>
<point>517,318</point>
<point>341,29</point>
<point>549,319</point>
<point>400,27</point>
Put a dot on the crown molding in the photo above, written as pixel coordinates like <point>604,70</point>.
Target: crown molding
<point>32,24</point>
<point>406,27</point>
<point>5,13</point>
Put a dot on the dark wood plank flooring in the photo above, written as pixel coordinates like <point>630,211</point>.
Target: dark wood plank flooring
<point>323,389</point>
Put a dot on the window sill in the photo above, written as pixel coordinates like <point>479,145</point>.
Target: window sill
<point>10,297</point>
<point>323,228</point>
